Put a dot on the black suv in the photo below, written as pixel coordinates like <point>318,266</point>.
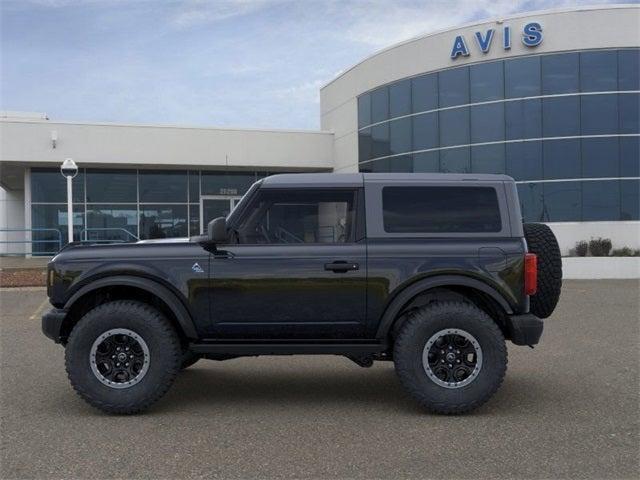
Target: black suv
<point>430,271</point>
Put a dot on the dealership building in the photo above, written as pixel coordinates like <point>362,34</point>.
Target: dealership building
<point>550,98</point>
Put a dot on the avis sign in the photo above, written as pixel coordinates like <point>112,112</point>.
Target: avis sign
<point>531,37</point>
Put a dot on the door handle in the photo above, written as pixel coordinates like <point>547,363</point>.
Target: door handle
<point>341,266</point>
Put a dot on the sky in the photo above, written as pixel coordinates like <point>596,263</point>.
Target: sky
<point>227,63</point>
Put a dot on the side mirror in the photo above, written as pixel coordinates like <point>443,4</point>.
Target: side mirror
<point>217,230</point>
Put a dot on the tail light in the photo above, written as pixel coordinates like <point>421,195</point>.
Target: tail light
<point>530,273</point>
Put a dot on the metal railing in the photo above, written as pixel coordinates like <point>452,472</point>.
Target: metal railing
<point>84,235</point>
<point>57,241</point>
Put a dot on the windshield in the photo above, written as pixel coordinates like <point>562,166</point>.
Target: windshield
<point>243,201</point>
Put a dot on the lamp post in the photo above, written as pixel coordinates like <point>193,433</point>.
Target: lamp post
<point>69,169</point>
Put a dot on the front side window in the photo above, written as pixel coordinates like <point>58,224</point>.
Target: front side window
<point>293,217</point>
<point>440,209</point>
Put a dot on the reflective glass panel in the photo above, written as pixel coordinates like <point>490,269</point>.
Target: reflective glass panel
<point>561,116</point>
<point>364,110</point>
<point>116,186</point>
<point>561,201</point>
<point>426,162</point>
<point>600,157</point>
<point>530,195</point>
<point>487,123</point>
<point>454,127</point>
<point>524,160</point>
<point>379,104</point>
<point>629,113</point>
<point>630,156</point>
<point>599,71</point>
<point>400,98</point>
<point>629,69</point>
<point>53,217</point>
<point>488,158</point>
<point>522,77</point>
<point>455,160</point>
<point>401,163</point>
<point>600,200</point>
<point>194,219</point>
<point>424,92</point>
<point>163,186</point>
<point>380,140</point>
<point>630,200</point>
<point>49,186</point>
<point>364,144</point>
<point>561,159</point>
<point>111,222</point>
<point>400,135</point>
<point>163,221</point>
<point>599,114</point>
<point>194,186</point>
<point>487,81</point>
<point>560,73</point>
<point>523,119</point>
<point>222,183</point>
<point>425,131</point>
<point>453,87</point>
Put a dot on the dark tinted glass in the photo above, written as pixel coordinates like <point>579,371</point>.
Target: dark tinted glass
<point>524,160</point>
<point>560,73</point>
<point>52,217</point>
<point>221,183</point>
<point>424,92</point>
<point>522,77</point>
<point>600,157</point>
<point>194,219</point>
<point>116,186</point>
<point>629,113</point>
<point>487,81</point>
<point>163,221</point>
<point>310,216</point>
<point>530,195</point>
<point>453,86</point>
<point>49,186</point>
<point>561,159</point>
<point>400,135</point>
<point>112,222</point>
<point>630,200</point>
<point>488,159</point>
<point>364,145</point>
<point>599,71</point>
<point>163,186</point>
<point>454,127</point>
<point>379,104</point>
<point>440,210</point>
<point>599,114</point>
<point>487,123</point>
<point>425,131</point>
<point>380,140</point>
<point>194,186</point>
<point>455,160</point>
<point>401,163</point>
<point>600,200</point>
<point>523,119</point>
<point>629,70</point>
<point>364,110</point>
<point>561,201</point>
<point>426,162</point>
<point>630,156</point>
<point>400,98</point>
<point>561,116</point>
<point>376,166</point>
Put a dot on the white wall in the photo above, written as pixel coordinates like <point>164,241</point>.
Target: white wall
<point>622,234</point>
<point>576,29</point>
<point>11,217</point>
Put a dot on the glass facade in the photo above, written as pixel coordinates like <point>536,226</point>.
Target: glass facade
<point>565,126</point>
<point>121,205</point>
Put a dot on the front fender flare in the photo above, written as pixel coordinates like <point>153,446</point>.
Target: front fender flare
<point>401,299</point>
<point>163,293</point>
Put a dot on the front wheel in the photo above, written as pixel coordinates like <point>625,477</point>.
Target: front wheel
<point>122,356</point>
<point>450,356</point>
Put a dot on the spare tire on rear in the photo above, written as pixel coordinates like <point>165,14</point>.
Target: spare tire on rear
<point>542,242</point>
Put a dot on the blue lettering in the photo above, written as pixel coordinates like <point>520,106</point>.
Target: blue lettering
<point>506,38</point>
<point>459,48</point>
<point>485,43</point>
<point>532,35</point>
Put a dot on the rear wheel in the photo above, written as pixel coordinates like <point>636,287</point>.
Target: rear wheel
<point>450,356</point>
<point>542,242</point>
<point>122,356</point>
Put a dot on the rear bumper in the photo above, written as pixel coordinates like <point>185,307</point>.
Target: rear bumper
<point>52,324</point>
<point>525,329</point>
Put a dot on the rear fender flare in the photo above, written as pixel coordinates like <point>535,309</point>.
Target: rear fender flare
<point>163,293</point>
<point>403,297</point>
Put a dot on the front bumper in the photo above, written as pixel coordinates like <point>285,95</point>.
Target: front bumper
<point>525,329</point>
<point>52,324</point>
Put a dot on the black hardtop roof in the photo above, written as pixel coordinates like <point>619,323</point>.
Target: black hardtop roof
<point>357,179</point>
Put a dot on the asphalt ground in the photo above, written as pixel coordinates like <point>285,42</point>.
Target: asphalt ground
<point>568,409</point>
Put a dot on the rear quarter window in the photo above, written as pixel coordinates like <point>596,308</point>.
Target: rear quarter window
<point>440,209</point>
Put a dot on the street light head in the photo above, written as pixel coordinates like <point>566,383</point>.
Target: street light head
<point>69,169</point>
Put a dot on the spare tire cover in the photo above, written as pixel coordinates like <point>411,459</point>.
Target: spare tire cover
<point>542,242</point>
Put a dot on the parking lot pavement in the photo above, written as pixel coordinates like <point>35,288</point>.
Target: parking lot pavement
<point>568,409</point>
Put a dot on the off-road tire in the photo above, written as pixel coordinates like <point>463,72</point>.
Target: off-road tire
<point>542,242</point>
<point>188,359</point>
<point>425,322</point>
<point>157,332</point>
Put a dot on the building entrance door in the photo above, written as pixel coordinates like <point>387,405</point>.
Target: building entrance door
<point>214,206</point>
